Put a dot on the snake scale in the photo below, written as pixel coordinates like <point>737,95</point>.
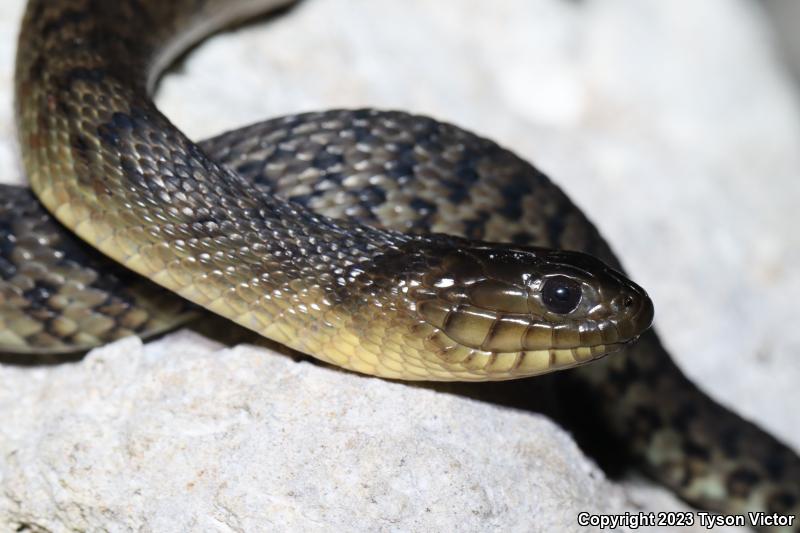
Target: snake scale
<point>386,258</point>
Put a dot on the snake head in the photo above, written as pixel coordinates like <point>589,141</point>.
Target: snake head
<point>515,300</point>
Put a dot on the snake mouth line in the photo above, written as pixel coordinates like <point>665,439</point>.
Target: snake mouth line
<point>467,363</point>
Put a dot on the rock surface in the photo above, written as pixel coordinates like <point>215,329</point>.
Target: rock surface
<point>671,123</point>
<point>185,436</point>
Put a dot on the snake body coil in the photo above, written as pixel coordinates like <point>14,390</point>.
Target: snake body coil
<point>405,282</point>
<point>109,166</point>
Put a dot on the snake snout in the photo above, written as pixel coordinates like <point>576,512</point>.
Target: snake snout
<point>635,311</point>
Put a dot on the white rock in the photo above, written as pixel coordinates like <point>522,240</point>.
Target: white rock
<point>184,436</point>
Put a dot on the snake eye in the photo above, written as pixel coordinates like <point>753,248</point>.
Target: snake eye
<point>561,294</point>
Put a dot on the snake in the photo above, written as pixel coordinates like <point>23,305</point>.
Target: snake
<point>382,242</point>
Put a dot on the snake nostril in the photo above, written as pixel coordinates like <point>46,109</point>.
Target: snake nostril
<point>627,301</point>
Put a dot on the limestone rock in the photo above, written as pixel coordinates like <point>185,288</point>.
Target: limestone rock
<point>181,435</point>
